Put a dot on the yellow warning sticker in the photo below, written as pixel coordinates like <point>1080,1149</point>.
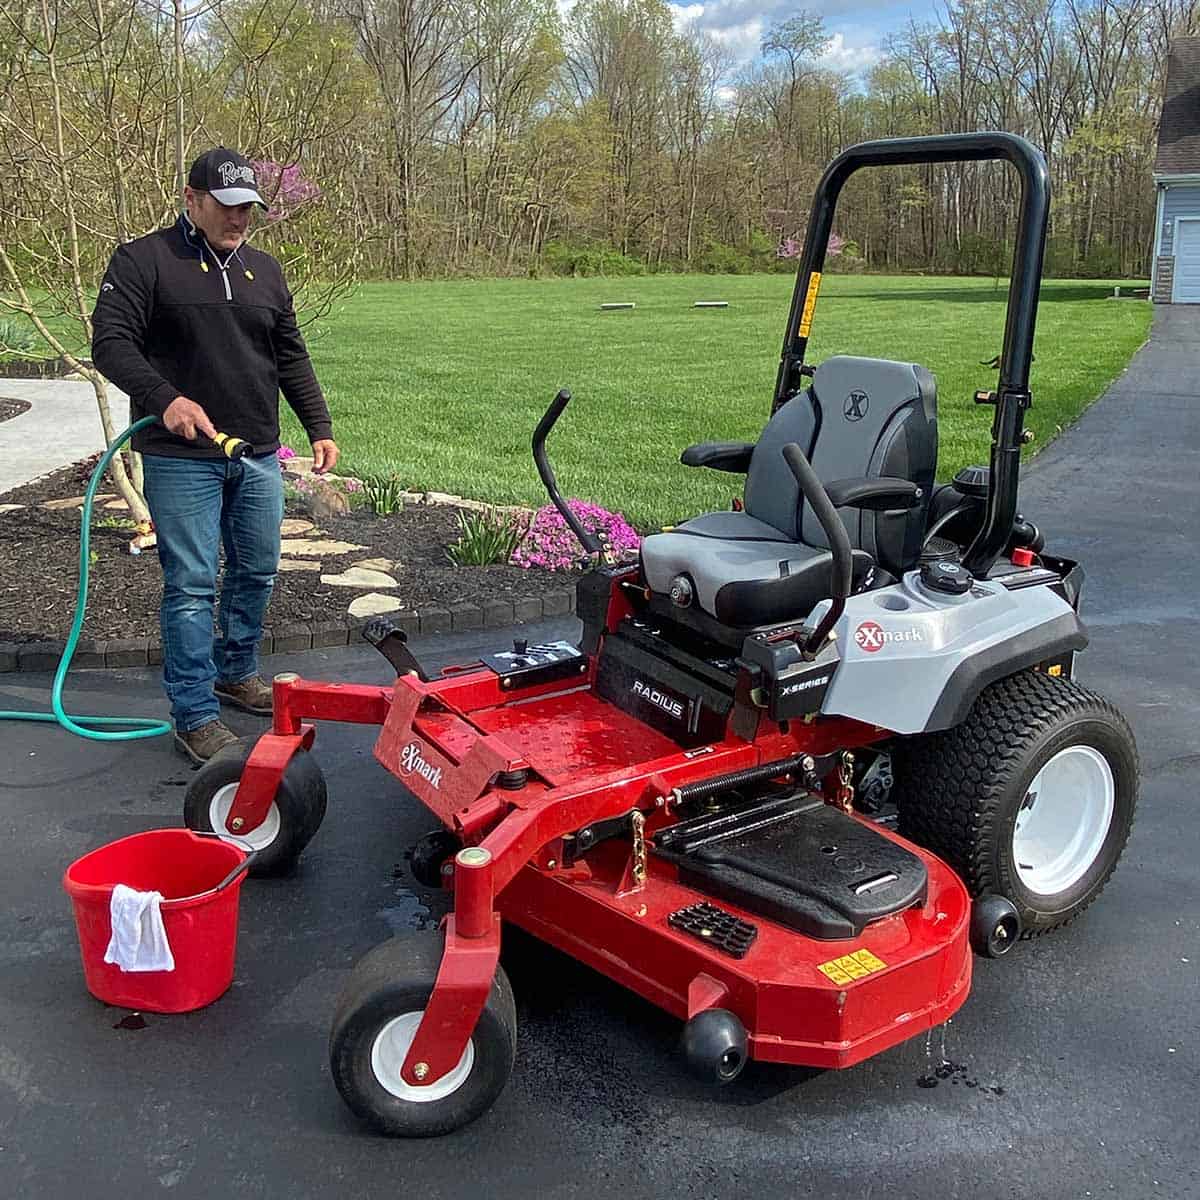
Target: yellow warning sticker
<point>810,303</point>
<point>850,967</point>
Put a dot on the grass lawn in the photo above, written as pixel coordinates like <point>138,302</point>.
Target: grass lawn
<point>444,382</point>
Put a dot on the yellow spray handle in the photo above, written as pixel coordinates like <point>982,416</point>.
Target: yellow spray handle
<point>232,447</point>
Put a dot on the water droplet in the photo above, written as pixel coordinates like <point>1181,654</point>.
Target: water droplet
<point>131,1021</point>
<point>927,1081</point>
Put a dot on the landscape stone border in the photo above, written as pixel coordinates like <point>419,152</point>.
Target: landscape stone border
<point>289,638</point>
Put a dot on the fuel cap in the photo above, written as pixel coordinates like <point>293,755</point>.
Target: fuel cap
<point>682,592</point>
<point>951,578</point>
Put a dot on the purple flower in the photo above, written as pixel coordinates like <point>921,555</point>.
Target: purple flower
<point>284,186</point>
<point>284,453</point>
<point>550,545</point>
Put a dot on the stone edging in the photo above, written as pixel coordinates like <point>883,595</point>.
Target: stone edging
<point>297,635</point>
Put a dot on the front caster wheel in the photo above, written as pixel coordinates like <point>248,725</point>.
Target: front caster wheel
<point>376,1020</point>
<point>294,817</point>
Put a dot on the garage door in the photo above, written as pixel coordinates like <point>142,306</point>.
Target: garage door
<point>1187,262</point>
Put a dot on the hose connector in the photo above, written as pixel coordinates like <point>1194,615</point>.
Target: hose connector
<point>232,447</point>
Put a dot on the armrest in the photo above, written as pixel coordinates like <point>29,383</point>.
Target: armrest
<point>721,456</point>
<point>877,495</point>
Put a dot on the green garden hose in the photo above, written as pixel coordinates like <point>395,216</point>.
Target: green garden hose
<point>134,727</point>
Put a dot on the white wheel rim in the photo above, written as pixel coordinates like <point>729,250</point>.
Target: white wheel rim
<point>258,838</point>
<point>1064,820</point>
<point>390,1050</point>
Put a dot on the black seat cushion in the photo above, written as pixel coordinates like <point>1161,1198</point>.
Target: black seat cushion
<point>750,602</point>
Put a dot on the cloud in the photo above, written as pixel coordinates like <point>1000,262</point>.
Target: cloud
<point>685,14</point>
<point>743,41</point>
<point>840,57</point>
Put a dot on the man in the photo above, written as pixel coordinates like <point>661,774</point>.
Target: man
<point>199,328</point>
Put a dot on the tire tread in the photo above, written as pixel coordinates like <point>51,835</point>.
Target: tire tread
<point>951,785</point>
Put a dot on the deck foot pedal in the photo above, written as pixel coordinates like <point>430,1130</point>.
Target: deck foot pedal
<point>715,927</point>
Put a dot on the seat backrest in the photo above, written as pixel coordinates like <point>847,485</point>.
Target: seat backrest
<point>862,417</point>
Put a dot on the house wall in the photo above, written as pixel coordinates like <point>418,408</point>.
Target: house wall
<point>1174,200</point>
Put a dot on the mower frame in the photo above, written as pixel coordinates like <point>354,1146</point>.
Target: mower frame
<point>556,795</point>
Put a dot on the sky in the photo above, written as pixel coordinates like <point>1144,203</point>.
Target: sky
<point>856,27</point>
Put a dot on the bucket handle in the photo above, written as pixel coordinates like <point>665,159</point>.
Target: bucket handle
<point>244,865</point>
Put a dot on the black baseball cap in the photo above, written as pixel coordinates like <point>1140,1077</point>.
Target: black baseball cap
<point>227,177</point>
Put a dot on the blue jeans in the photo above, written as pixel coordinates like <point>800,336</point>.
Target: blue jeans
<point>197,504</point>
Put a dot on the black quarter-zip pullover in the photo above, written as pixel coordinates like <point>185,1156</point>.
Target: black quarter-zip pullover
<point>176,318</point>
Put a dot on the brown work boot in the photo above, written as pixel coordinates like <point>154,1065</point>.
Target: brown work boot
<point>252,695</point>
<point>202,743</point>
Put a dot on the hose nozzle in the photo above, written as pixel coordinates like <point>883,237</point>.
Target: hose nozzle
<point>232,447</point>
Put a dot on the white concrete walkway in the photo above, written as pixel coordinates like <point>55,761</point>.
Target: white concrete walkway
<point>61,427</point>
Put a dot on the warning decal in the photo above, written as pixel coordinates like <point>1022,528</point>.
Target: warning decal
<point>850,967</point>
<point>810,303</point>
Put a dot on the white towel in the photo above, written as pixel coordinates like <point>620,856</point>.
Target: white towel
<point>139,938</point>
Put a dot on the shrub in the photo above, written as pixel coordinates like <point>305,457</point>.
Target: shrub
<point>16,336</point>
<point>551,545</point>
<point>383,493</point>
<point>720,259</point>
<point>486,537</point>
<point>562,258</point>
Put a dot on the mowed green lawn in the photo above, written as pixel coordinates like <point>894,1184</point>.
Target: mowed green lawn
<point>444,382</point>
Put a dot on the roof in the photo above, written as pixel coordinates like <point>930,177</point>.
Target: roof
<point>1179,130</point>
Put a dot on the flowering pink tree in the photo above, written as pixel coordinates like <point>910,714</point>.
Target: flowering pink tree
<point>792,247</point>
<point>285,187</point>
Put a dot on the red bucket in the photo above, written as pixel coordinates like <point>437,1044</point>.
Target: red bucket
<point>199,878</point>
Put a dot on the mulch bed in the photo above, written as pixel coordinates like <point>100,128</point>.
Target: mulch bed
<point>40,551</point>
<point>10,408</point>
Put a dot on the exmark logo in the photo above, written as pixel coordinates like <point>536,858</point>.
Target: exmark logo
<point>412,763</point>
<point>669,705</point>
<point>871,636</point>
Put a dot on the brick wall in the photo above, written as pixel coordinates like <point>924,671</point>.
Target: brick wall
<point>1164,279</point>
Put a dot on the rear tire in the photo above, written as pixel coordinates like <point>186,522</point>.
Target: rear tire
<point>1032,797</point>
<point>376,1019</point>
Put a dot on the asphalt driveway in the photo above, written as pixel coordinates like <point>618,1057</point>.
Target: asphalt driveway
<point>1075,1060</point>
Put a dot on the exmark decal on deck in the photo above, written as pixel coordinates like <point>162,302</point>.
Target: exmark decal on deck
<point>871,636</point>
<point>411,762</point>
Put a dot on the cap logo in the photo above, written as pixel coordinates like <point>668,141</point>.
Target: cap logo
<point>231,173</point>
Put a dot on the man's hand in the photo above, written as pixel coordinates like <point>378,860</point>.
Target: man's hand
<point>325,455</point>
<point>186,418</point>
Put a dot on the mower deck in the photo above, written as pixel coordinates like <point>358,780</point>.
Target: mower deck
<point>803,1001</point>
<point>567,794</point>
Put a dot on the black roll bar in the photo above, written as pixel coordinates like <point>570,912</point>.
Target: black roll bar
<point>1012,397</point>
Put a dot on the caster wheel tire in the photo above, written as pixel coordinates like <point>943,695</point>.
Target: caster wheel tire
<point>376,1020</point>
<point>995,926</point>
<point>294,817</point>
<point>430,854</point>
<point>715,1046</point>
<point>1031,797</point>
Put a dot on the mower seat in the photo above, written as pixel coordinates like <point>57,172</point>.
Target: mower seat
<point>861,418</point>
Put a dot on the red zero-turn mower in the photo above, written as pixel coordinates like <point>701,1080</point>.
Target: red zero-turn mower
<point>807,754</point>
